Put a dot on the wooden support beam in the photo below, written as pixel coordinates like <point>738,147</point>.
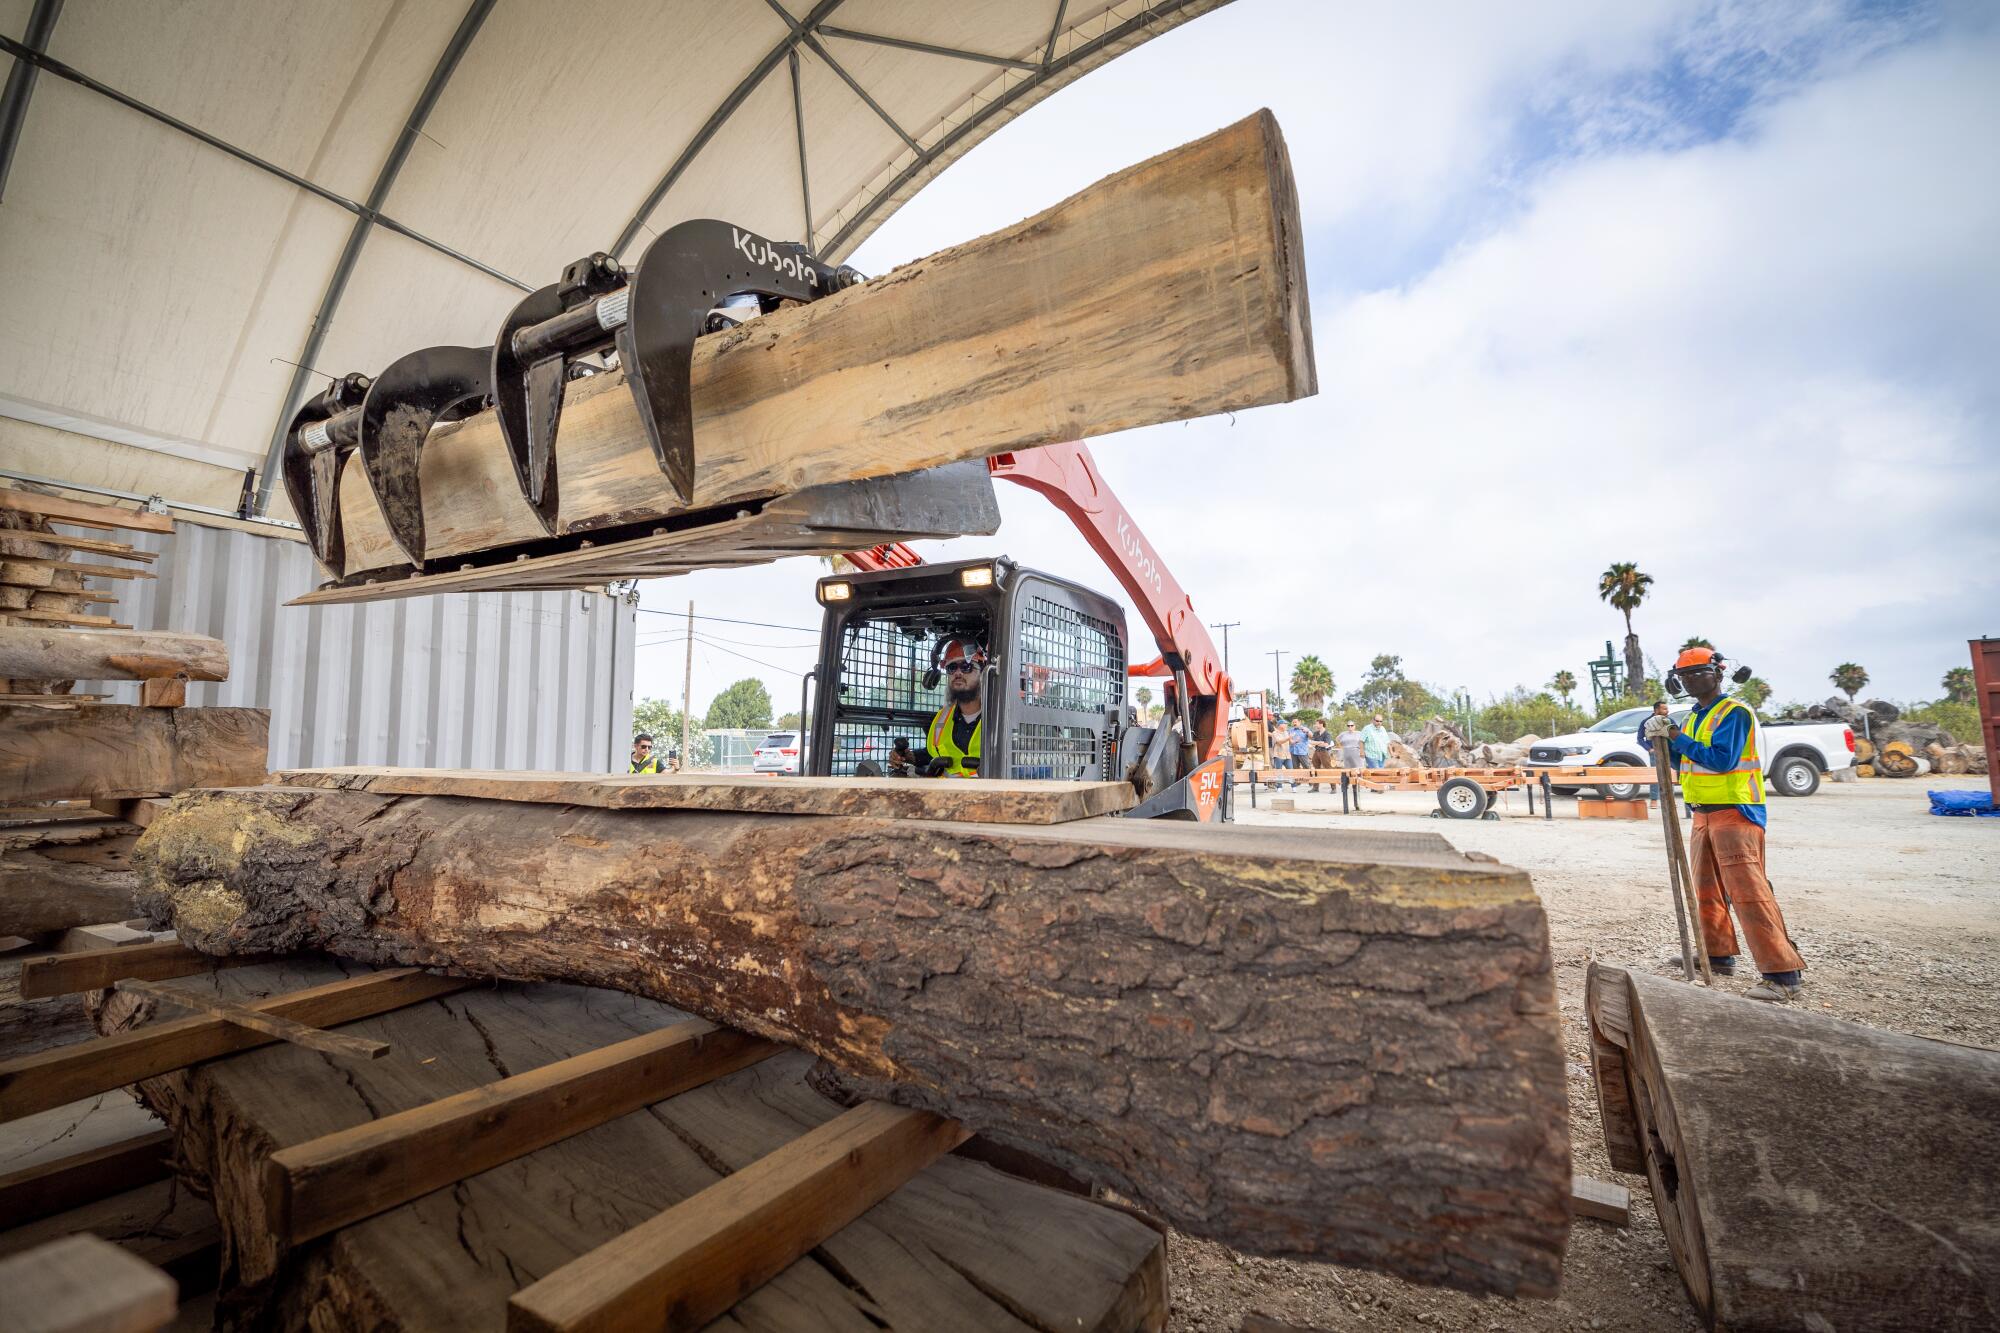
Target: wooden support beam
<point>51,1078</point>
<point>693,1262</point>
<point>315,1187</point>
<point>995,801</point>
<point>1173,289</point>
<point>1600,1199</point>
<point>41,571</point>
<point>82,1284</point>
<point>49,1188</point>
<point>164,692</point>
<point>39,654</point>
<point>1234,1028</point>
<point>271,1025</point>
<point>79,513</point>
<point>119,751</point>
<point>38,545</point>
<point>65,973</point>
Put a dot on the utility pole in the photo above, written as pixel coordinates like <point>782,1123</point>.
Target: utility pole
<point>687,697</point>
<point>1225,641</point>
<point>1278,671</point>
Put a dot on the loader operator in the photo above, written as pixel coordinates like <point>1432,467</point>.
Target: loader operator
<point>1723,784</point>
<point>954,733</point>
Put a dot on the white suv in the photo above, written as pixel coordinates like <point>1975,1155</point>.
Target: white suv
<point>779,753</point>
<point>1795,753</point>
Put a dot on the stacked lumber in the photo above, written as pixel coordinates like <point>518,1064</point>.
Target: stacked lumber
<point>1808,1173</point>
<point>1246,1031</point>
<point>660,1172</point>
<point>42,570</point>
<point>1173,289</point>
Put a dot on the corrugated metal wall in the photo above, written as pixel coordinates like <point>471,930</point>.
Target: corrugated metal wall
<point>467,680</point>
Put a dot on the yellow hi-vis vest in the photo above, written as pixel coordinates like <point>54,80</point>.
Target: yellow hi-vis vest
<point>964,763</point>
<point>1742,784</point>
<point>652,765</point>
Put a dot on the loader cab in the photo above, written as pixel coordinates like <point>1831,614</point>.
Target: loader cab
<point>1054,686</point>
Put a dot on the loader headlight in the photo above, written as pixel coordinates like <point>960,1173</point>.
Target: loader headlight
<point>979,576</point>
<point>837,591</point>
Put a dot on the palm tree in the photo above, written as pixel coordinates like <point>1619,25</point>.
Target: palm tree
<point>1624,587</point>
<point>1850,678</point>
<point>1144,695</point>
<point>1957,685</point>
<point>1697,642</point>
<point>1755,691</point>
<point>1311,681</point>
<point>1565,685</point>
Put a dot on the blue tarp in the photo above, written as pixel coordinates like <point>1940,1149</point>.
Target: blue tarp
<point>1963,803</point>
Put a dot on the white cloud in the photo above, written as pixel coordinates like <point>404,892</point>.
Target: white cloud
<point>1786,334</point>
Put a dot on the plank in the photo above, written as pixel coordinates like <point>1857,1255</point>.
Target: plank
<point>51,1078</point>
<point>83,514</point>
<point>120,750</point>
<point>14,545</point>
<point>994,801</point>
<point>46,1188</point>
<point>1600,1199</point>
<point>271,1025</point>
<point>36,654</point>
<point>30,571</point>
<point>96,969</point>
<point>694,1261</point>
<point>958,1247</point>
<point>81,1284</point>
<point>318,1186</point>
<point>1173,289</point>
<point>34,617</point>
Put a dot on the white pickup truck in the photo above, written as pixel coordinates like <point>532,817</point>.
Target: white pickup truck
<point>1795,753</point>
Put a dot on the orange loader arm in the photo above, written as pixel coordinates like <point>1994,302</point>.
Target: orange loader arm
<point>1068,476</point>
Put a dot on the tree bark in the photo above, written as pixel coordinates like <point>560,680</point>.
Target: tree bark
<point>81,654</point>
<point>115,750</point>
<point>1338,1048</point>
<point>1808,1173</point>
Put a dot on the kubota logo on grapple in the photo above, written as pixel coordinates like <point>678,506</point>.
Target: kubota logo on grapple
<point>760,251</point>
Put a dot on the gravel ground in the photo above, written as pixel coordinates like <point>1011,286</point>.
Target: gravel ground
<point>1895,911</point>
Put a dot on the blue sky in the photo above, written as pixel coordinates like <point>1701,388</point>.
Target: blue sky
<point>1570,265</point>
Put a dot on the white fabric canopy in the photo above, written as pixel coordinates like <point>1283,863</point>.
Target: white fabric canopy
<point>154,287</point>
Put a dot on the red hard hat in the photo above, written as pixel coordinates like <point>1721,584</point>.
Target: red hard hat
<point>962,650</point>
<point>1694,657</point>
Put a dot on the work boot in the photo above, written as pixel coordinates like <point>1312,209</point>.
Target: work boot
<point>1777,991</point>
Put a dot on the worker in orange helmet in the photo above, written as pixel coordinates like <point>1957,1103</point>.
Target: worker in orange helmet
<point>954,733</point>
<point>1722,781</point>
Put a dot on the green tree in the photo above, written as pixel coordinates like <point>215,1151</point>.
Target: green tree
<point>790,722</point>
<point>1957,684</point>
<point>1565,685</point>
<point>1624,587</point>
<point>1386,690</point>
<point>744,704</point>
<point>1850,678</point>
<point>1518,712</point>
<point>662,721</point>
<point>1144,694</point>
<point>1755,691</point>
<point>1311,681</point>
<point>1697,642</point>
<point>1960,719</point>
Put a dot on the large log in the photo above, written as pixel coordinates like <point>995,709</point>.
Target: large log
<point>31,653</point>
<point>1314,1045</point>
<point>113,750</point>
<point>1809,1173</point>
<point>1173,289</point>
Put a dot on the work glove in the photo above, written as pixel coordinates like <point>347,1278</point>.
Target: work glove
<point>937,767</point>
<point>1659,725</point>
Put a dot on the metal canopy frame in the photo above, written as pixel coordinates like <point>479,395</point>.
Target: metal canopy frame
<point>31,59</point>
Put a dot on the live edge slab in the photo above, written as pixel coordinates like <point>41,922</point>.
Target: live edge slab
<point>960,1246</point>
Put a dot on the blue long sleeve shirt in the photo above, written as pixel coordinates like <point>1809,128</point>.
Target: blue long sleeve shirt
<point>1721,753</point>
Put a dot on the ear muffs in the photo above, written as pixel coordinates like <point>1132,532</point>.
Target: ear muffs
<point>936,671</point>
<point>1740,675</point>
<point>1674,686</point>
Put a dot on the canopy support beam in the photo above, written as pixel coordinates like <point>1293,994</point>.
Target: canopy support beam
<point>21,84</point>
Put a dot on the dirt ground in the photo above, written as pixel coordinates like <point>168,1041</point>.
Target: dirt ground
<point>1897,914</point>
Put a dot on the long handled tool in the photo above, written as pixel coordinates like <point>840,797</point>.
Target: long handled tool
<point>1679,875</point>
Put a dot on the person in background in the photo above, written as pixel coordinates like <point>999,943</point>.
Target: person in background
<point>954,732</point>
<point>643,758</point>
<point>1722,781</point>
<point>1299,741</point>
<point>1350,746</point>
<point>1375,740</point>
<point>1278,742</point>
<point>1322,756</point>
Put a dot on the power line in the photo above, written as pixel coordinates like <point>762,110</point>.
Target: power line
<point>760,624</point>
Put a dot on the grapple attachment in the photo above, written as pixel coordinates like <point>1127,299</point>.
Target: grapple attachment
<point>323,433</point>
<point>414,394</point>
<point>651,317</point>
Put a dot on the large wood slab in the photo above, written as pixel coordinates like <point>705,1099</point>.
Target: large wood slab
<point>987,802</point>
<point>117,750</point>
<point>28,653</point>
<point>959,1247</point>
<point>1173,289</point>
<point>1246,1032</point>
